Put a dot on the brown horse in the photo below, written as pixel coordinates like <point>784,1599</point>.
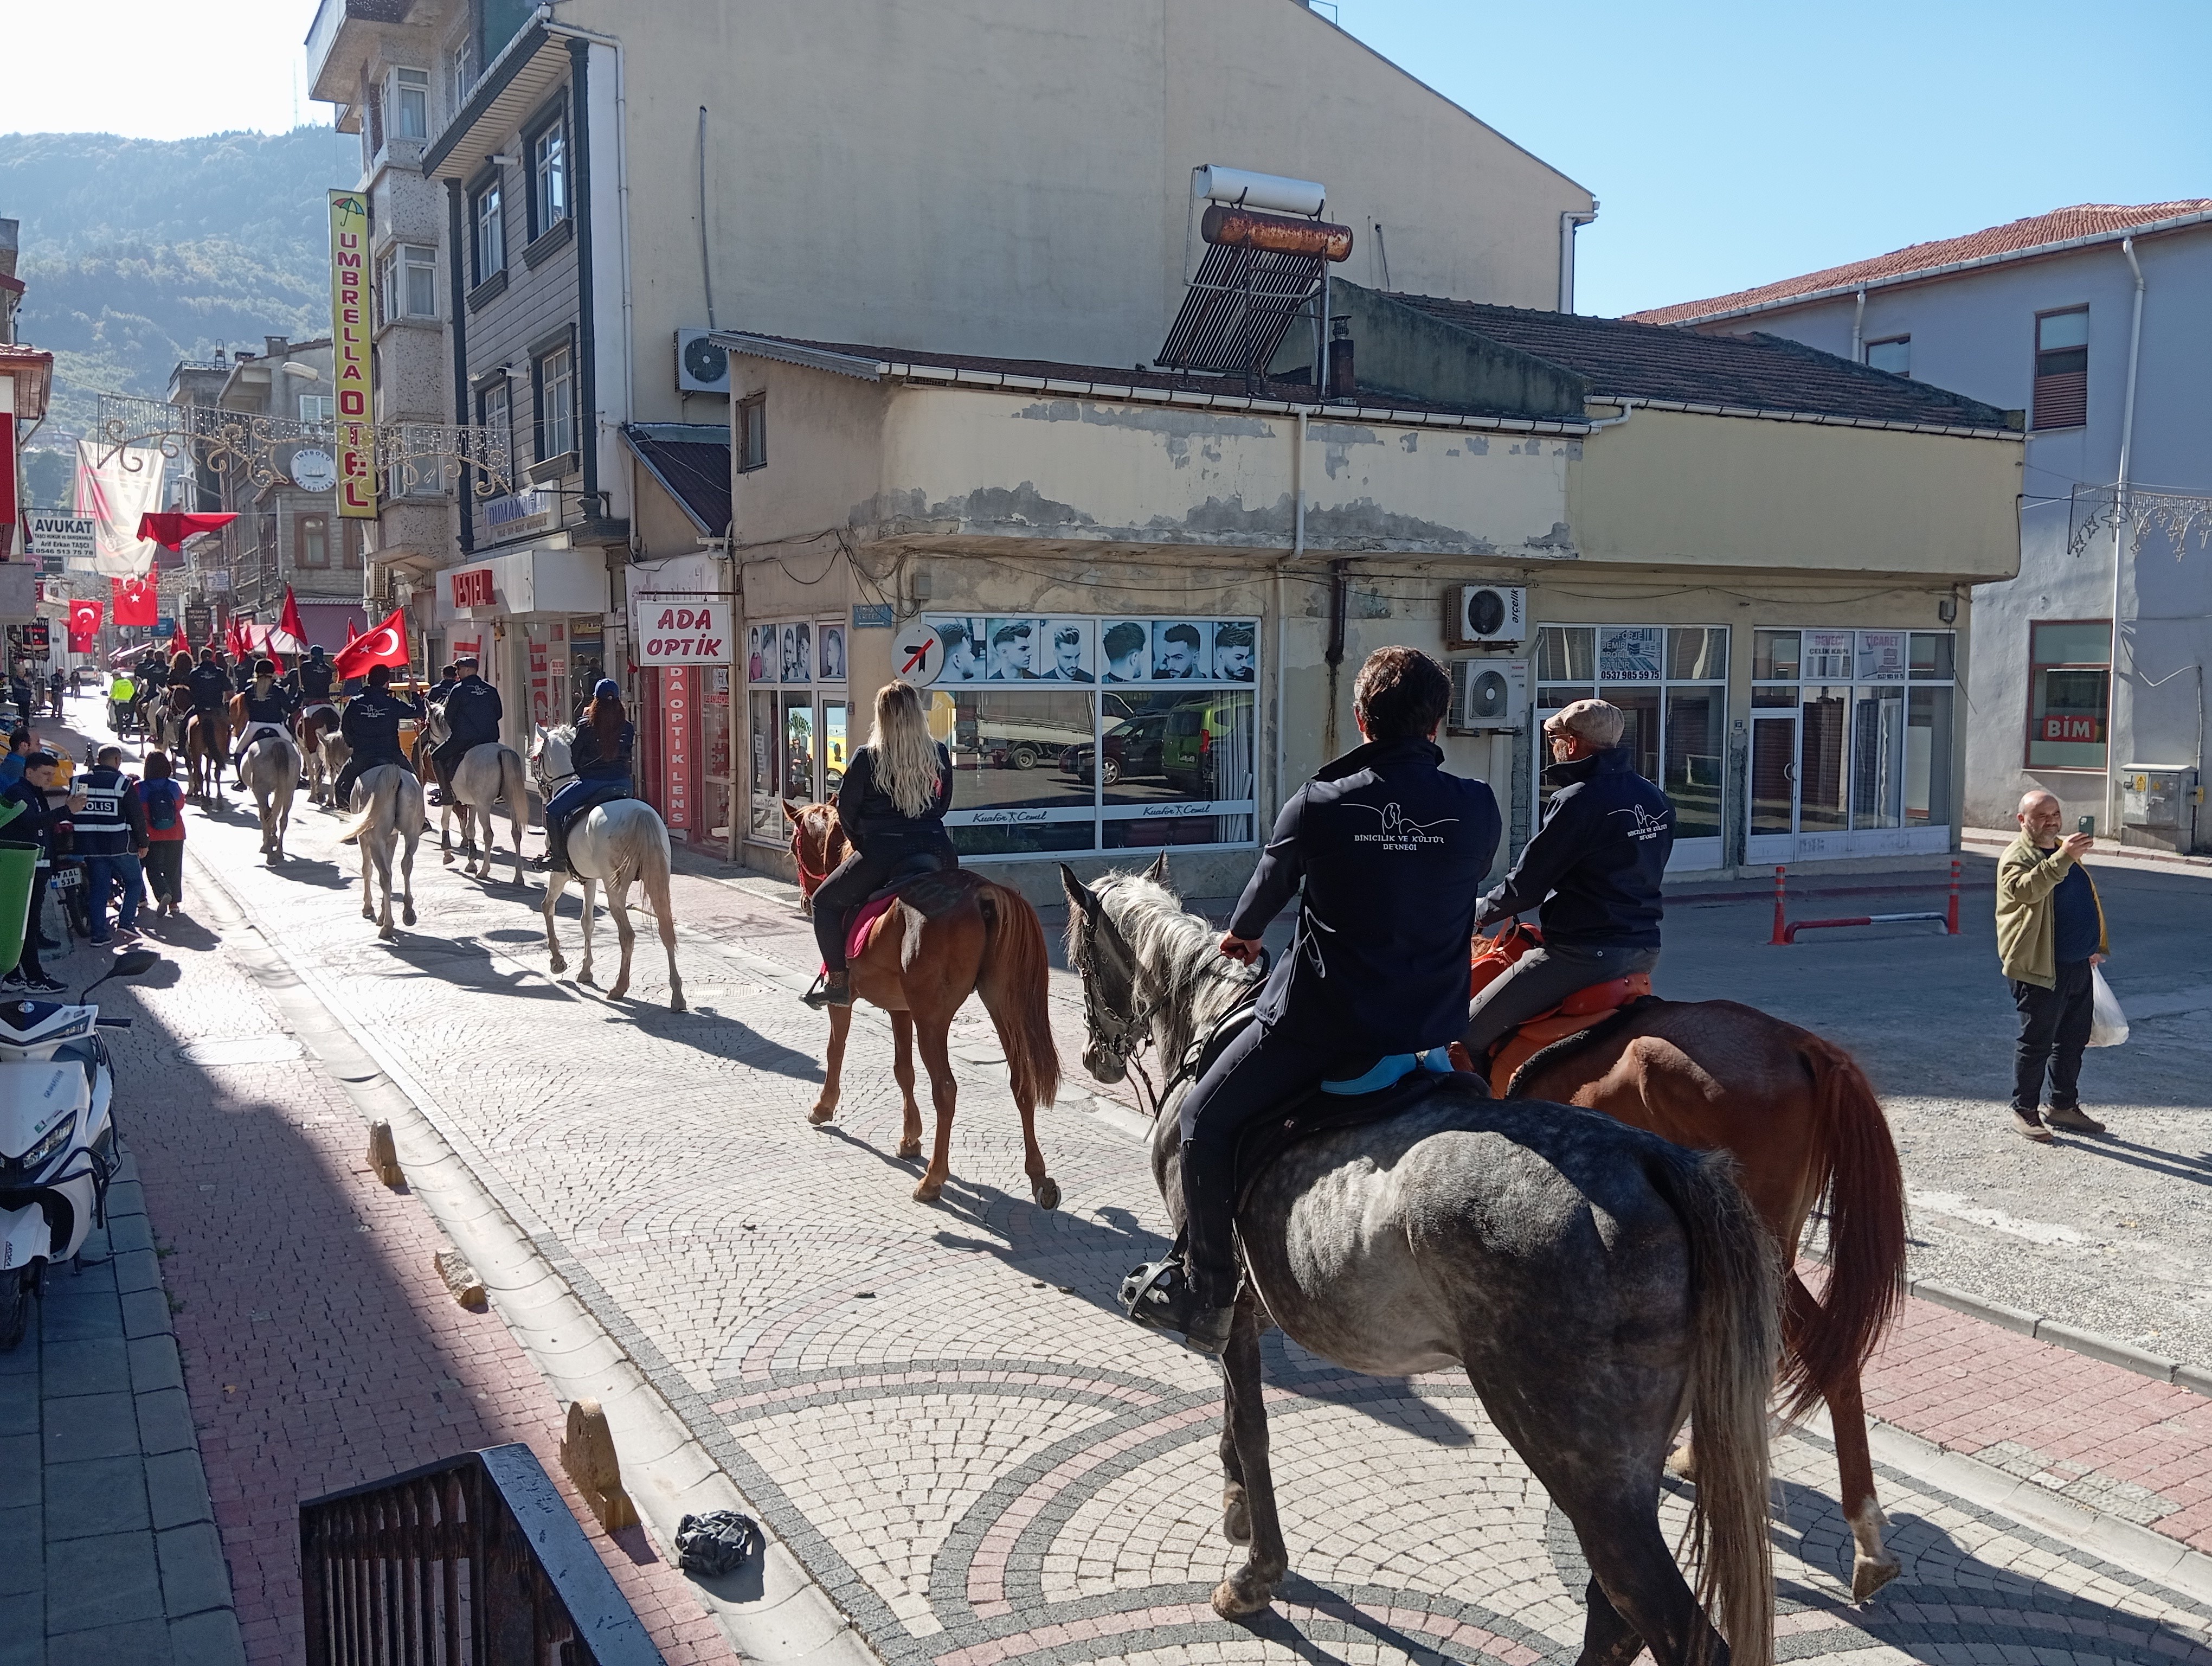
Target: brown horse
<point>207,749</point>
<point>1803,1124</point>
<point>920,968</point>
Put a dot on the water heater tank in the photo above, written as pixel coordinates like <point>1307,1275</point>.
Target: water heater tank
<point>1215,184</point>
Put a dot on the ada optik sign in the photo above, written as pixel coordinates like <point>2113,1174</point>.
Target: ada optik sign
<point>683,630</point>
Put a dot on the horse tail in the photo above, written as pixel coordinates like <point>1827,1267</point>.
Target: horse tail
<point>361,820</point>
<point>1864,1185</point>
<point>1013,981</point>
<point>1736,1335</point>
<point>513,785</point>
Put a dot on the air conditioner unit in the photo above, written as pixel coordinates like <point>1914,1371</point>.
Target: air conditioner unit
<point>1488,696</point>
<point>1476,615</point>
<point>701,367</point>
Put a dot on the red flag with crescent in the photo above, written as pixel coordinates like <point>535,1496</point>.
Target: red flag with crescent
<point>136,602</point>
<point>290,625</point>
<point>84,624</point>
<point>380,645</point>
<point>179,643</point>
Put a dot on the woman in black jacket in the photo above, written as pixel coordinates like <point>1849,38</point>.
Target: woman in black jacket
<point>891,806</point>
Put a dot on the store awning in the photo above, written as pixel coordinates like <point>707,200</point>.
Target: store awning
<point>544,581</point>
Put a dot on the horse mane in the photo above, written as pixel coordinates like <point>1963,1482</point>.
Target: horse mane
<point>1188,982</point>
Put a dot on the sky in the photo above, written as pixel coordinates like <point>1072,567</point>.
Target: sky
<point>1728,144</point>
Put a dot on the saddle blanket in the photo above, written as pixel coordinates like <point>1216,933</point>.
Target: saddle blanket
<point>930,894</point>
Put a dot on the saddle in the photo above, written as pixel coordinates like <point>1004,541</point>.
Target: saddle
<point>923,882</point>
<point>1574,1023</point>
<point>607,792</point>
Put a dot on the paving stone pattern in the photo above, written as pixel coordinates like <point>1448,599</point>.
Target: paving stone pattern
<point>937,1407</point>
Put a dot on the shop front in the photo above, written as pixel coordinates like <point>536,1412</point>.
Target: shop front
<point>535,619</point>
<point>683,641</point>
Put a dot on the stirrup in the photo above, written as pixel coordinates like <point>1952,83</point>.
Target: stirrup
<point>823,994</point>
<point>1159,1295</point>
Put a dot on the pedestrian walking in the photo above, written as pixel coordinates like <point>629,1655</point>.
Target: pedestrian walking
<point>111,837</point>
<point>163,798</point>
<point>54,688</point>
<point>2050,939</point>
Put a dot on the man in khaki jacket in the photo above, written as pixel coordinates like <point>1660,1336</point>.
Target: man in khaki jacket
<point>2051,932</point>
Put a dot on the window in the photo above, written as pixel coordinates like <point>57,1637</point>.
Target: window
<point>407,283</point>
<point>556,375</point>
<point>548,179</point>
<point>410,104</point>
<point>752,432</point>
<point>496,412</point>
<point>1671,683</point>
<point>2061,369</point>
<point>2069,693</point>
<point>318,408</point>
<point>1893,355</point>
<point>491,235</point>
<point>311,541</point>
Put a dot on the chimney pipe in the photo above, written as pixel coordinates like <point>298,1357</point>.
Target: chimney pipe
<point>1342,382</point>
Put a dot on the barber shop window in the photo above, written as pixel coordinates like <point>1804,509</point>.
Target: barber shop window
<point>2069,693</point>
<point>1670,683</point>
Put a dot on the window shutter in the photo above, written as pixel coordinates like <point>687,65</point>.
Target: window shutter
<point>2062,397</point>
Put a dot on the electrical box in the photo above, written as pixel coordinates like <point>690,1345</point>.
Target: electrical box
<point>1486,615</point>
<point>1488,696</point>
<point>2152,797</point>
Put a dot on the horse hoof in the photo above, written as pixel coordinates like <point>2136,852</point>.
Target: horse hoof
<point>909,1151</point>
<point>927,1191</point>
<point>675,1004</point>
<point>1236,1518</point>
<point>1682,1464</point>
<point>620,989</point>
<point>1869,1576</point>
<point>586,981</point>
<point>1231,1601</point>
<point>386,934</point>
<point>408,915</point>
<point>821,1113</point>
<point>1046,1192</point>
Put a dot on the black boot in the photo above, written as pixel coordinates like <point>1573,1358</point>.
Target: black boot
<point>830,989</point>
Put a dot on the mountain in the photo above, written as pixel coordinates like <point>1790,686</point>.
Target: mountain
<point>138,252</point>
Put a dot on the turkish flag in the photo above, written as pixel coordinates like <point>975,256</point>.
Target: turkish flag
<point>384,645</point>
<point>290,625</point>
<point>136,602</point>
<point>234,640</point>
<point>84,624</point>
<point>178,644</point>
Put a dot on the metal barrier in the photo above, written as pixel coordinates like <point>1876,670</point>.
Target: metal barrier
<point>473,1561</point>
<point>1786,929</point>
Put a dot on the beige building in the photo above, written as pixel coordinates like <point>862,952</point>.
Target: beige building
<point>1763,555</point>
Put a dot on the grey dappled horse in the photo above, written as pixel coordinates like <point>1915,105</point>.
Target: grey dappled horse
<point>485,774</point>
<point>1596,1284</point>
<point>270,769</point>
<point>615,845</point>
<point>387,811</point>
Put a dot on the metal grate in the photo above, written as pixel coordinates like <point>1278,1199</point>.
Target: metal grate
<point>473,1561</point>
<point>1239,308</point>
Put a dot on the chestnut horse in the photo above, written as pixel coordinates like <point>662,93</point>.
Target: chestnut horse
<point>919,970</point>
<point>1802,1123</point>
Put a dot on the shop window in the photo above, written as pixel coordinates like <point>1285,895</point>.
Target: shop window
<point>2069,693</point>
<point>1670,683</point>
<point>2061,369</point>
<point>752,432</point>
<point>1928,741</point>
<point>1893,354</point>
<point>491,235</point>
<point>311,541</point>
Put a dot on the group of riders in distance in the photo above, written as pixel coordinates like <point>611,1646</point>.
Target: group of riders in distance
<point>1408,1144</point>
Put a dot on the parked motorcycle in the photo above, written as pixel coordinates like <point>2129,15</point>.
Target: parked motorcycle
<point>57,1144</point>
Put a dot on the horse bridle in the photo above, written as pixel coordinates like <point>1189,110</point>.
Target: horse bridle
<point>1119,1038</point>
<point>809,880</point>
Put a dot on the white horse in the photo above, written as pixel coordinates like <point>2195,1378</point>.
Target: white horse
<point>332,751</point>
<point>486,775</point>
<point>615,845</point>
<point>387,809</point>
<point>321,716</point>
<point>270,769</point>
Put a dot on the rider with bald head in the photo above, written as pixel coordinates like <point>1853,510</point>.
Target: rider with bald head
<point>2050,933</point>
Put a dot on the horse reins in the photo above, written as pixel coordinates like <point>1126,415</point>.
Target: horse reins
<point>1123,1040</point>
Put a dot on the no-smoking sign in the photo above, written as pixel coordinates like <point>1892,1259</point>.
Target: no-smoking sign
<point>917,655</point>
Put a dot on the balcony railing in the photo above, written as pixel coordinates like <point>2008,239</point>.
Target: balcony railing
<point>474,1561</point>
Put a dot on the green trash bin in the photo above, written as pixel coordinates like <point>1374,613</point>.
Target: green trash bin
<point>19,864</point>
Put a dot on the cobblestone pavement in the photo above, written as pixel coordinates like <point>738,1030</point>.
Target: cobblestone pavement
<point>938,1409</point>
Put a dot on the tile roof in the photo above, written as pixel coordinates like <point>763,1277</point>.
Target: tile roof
<point>2066,225</point>
<point>692,460</point>
<point>1621,359</point>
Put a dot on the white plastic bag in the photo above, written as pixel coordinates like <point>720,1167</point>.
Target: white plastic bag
<point>2109,1027</point>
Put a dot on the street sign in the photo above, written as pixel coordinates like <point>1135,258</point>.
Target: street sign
<point>199,624</point>
<point>917,654</point>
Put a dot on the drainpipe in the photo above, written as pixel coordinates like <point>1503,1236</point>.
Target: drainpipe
<point>1858,328</point>
<point>2120,543</point>
<point>1627,411</point>
<point>1339,598</point>
<point>1572,221</point>
<point>1282,626</point>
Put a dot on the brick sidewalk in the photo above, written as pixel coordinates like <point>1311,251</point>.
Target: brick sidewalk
<point>320,1348</point>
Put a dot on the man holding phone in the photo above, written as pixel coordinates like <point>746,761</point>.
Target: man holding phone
<point>2050,939</point>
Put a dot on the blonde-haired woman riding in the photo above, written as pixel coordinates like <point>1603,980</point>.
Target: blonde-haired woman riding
<point>891,806</point>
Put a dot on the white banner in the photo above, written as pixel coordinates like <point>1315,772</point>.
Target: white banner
<point>116,485</point>
<point>682,630</point>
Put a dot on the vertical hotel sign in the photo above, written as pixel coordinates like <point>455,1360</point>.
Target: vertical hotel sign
<point>349,353</point>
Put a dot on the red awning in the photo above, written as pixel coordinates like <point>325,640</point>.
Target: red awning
<point>170,531</point>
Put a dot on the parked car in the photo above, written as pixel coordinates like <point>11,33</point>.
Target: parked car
<point>1133,748</point>
<point>1197,738</point>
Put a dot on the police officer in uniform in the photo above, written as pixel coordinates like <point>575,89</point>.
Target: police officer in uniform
<point>472,719</point>
<point>1387,854</point>
<point>371,726</point>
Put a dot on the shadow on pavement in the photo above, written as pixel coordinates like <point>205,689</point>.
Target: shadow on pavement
<point>2197,1170</point>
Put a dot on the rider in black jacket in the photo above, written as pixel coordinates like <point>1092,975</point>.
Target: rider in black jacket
<point>371,728</point>
<point>269,705</point>
<point>1591,874</point>
<point>473,713</point>
<point>1390,853</point>
<point>209,682</point>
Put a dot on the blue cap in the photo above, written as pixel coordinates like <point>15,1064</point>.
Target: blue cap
<point>606,689</point>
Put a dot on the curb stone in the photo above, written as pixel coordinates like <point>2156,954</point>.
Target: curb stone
<point>2058,1333</point>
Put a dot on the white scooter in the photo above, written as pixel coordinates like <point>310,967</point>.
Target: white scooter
<point>57,1150</point>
